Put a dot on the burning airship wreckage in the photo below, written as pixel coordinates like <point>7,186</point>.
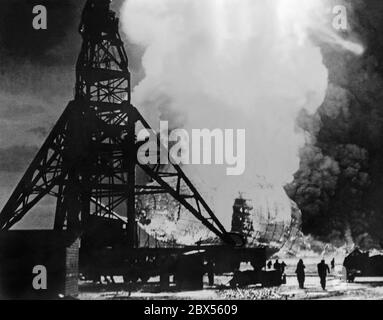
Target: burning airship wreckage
<point>107,200</point>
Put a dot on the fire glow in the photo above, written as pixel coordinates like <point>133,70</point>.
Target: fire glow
<point>233,64</point>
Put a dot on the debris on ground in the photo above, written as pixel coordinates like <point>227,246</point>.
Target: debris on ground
<point>252,294</point>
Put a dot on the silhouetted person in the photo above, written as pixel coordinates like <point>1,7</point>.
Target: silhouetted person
<point>300,271</point>
<point>269,264</point>
<point>282,267</point>
<point>323,270</point>
<point>210,272</point>
<point>333,264</point>
<point>277,265</point>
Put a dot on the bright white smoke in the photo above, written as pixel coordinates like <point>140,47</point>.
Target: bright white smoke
<point>232,64</point>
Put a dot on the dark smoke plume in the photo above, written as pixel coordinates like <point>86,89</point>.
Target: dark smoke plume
<point>339,186</point>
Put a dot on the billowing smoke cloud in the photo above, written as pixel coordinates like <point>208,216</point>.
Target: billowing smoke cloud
<point>339,184</point>
<point>233,64</point>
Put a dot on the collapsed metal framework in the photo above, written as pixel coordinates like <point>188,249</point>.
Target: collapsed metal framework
<point>89,160</point>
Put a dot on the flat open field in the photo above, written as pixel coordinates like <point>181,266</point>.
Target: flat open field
<point>337,288</point>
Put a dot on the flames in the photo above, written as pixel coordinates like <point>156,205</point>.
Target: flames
<point>234,64</point>
<point>315,18</point>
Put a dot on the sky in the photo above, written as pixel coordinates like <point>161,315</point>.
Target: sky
<point>37,77</point>
<point>37,69</point>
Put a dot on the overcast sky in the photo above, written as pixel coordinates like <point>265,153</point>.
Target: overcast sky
<point>37,77</point>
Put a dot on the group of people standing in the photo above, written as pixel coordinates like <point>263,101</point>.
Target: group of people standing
<point>277,266</point>
<point>322,267</point>
<point>323,271</point>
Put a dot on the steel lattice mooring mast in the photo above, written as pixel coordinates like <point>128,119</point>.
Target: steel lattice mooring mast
<point>89,160</point>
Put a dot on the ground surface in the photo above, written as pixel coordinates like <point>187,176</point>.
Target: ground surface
<point>337,288</point>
